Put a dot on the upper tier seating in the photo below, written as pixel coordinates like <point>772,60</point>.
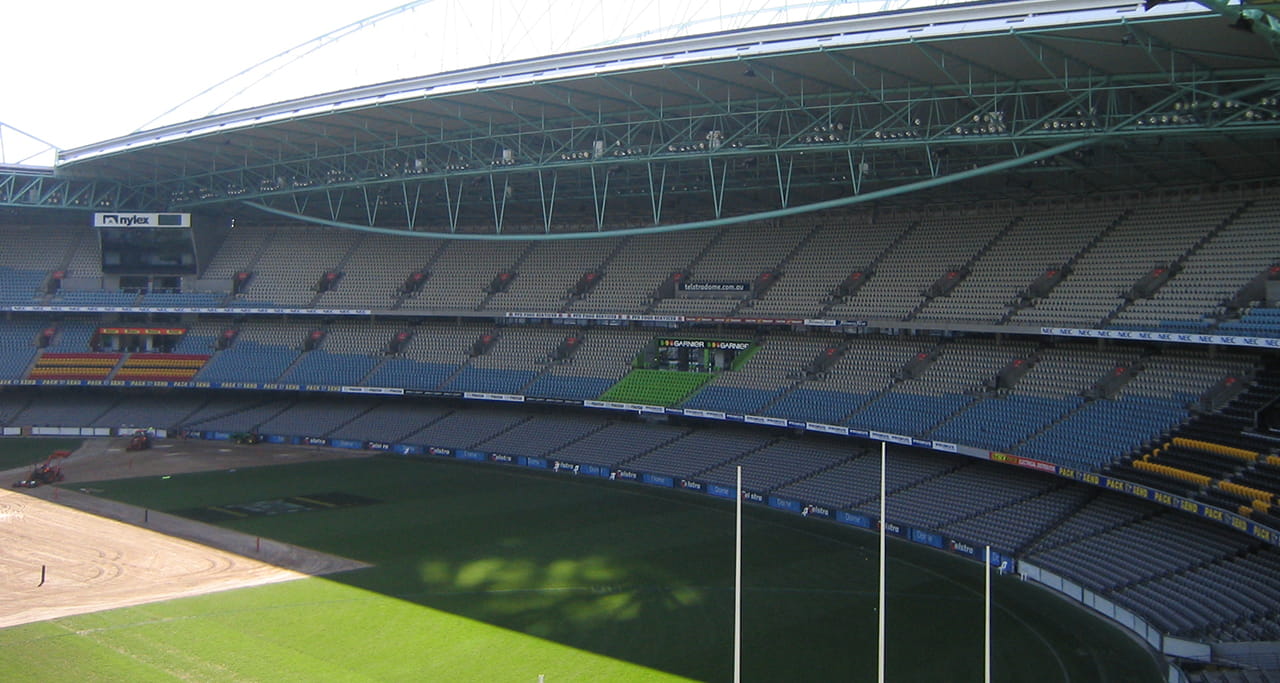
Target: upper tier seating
<point>1214,244</point>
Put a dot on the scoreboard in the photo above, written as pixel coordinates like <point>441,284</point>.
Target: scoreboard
<point>146,243</point>
<point>700,355</point>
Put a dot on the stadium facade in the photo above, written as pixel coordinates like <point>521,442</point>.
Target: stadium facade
<point>1032,245</point>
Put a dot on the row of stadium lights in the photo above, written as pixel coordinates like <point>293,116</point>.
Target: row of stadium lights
<point>993,123</point>
<point>55,199</point>
<point>1083,120</point>
<point>600,150</point>
<point>1184,113</point>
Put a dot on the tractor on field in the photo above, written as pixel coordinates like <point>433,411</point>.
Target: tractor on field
<point>141,441</point>
<point>45,472</point>
<point>246,438</point>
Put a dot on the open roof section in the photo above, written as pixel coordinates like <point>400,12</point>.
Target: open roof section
<point>1001,99</point>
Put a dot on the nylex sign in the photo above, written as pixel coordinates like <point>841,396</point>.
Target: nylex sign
<point>141,220</point>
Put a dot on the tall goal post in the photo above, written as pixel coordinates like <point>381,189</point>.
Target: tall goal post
<point>986,618</point>
<point>737,585</point>
<point>880,610</point>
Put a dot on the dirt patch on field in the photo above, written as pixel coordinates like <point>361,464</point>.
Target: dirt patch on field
<point>102,459</point>
<point>95,554</point>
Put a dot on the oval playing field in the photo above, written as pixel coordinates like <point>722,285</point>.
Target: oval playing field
<point>482,573</point>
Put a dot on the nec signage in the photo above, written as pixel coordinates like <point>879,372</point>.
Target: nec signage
<point>141,220</point>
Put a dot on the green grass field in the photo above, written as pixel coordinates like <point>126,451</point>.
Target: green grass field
<point>485,573</point>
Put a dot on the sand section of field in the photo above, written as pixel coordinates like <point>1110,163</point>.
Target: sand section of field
<point>94,554</point>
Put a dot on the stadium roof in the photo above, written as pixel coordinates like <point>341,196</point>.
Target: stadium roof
<point>1008,99</point>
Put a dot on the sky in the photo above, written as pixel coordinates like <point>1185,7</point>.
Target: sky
<point>84,71</point>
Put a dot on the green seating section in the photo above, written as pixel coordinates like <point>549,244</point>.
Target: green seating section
<point>656,387</point>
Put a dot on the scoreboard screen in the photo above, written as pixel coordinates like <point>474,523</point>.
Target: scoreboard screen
<point>146,243</point>
<point>703,344</point>
<point>147,251</point>
<point>698,355</point>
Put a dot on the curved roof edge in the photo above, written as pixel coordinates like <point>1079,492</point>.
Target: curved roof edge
<point>941,21</point>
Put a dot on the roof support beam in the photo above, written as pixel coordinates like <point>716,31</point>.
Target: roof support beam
<point>727,220</point>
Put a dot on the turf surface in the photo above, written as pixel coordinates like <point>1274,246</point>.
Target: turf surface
<point>485,573</point>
